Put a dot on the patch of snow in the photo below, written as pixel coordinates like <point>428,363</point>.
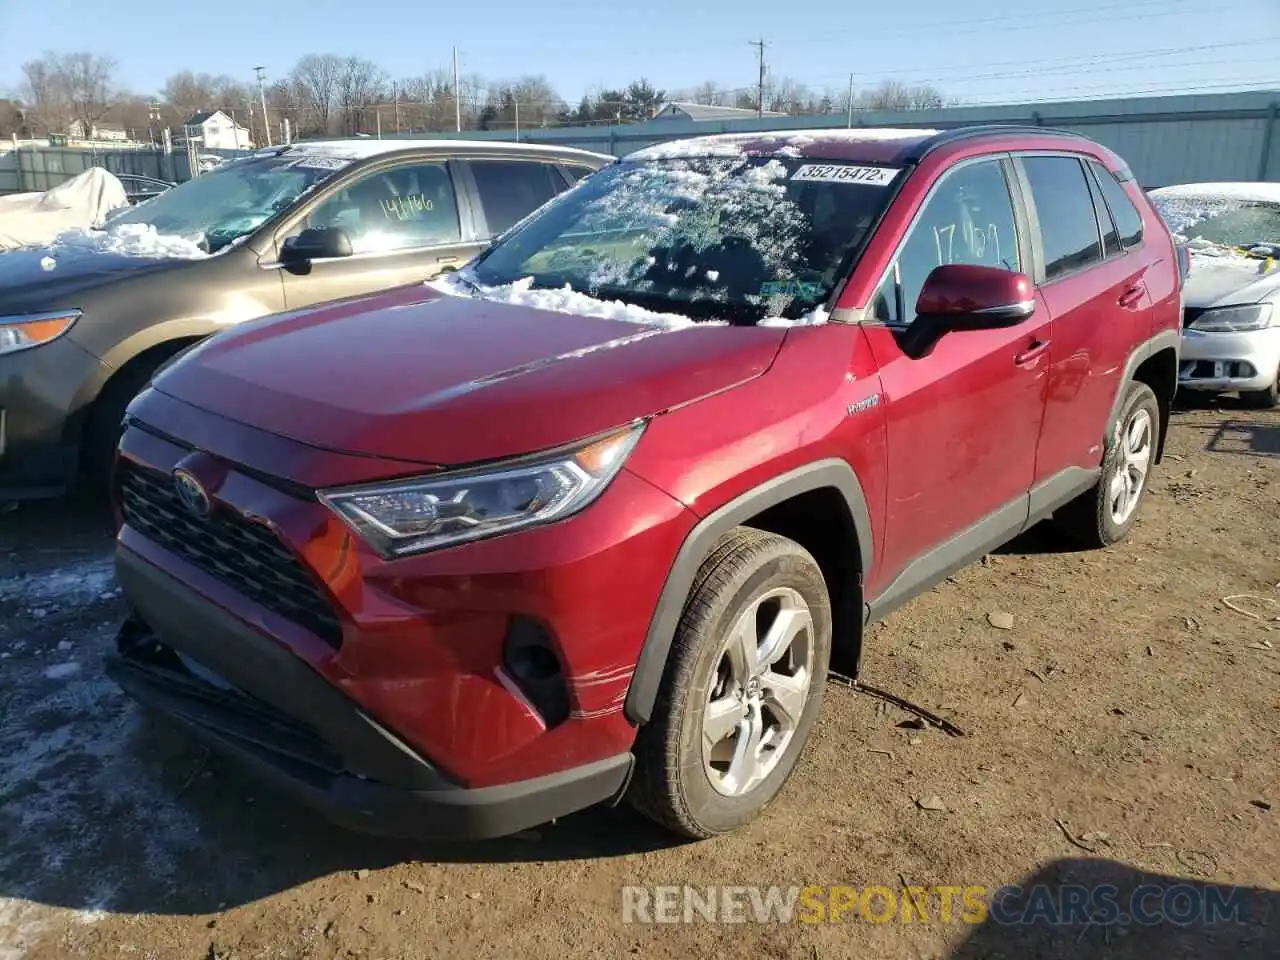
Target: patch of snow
<point>65,645</point>
<point>81,583</point>
<point>1248,192</point>
<point>786,144</point>
<point>127,239</point>
<point>87,816</point>
<point>713,275</point>
<point>47,263</point>
<point>567,300</point>
<point>562,300</point>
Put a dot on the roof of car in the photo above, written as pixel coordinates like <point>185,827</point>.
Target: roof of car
<point>866,144</point>
<point>361,148</point>
<point>838,143</point>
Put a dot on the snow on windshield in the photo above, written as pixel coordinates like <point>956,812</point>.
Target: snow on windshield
<point>744,239</point>
<point>1215,219</point>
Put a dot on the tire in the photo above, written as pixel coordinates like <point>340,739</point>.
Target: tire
<point>105,427</point>
<point>1096,519</point>
<point>758,581</point>
<point>1266,399</point>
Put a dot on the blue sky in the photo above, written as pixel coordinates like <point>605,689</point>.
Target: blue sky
<point>982,51</point>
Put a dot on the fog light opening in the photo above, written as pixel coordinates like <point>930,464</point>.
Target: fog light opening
<point>531,661</point>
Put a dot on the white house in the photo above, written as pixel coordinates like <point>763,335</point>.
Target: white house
<point>214,130</point>
<point>97,131</point>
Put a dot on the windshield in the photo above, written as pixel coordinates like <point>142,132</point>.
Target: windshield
<point>1221,219</point>
<point>217,208</point>
<point>738,239</point>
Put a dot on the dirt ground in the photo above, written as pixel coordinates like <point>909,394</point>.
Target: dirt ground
<point>1128,710</point>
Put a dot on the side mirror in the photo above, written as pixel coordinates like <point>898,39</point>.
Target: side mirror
<point>316,243</point>
<point>963,296</point>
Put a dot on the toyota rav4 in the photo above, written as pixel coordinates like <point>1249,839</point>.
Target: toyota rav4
<point>591,518</point>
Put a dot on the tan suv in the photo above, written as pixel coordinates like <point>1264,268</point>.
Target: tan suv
<point>85,322</point>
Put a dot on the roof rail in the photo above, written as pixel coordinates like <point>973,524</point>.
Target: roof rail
<point>924,148</point>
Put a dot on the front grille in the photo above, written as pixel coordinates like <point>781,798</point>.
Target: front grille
<point>240,553</point>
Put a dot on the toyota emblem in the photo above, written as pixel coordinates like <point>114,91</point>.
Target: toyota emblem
<point>191,493</point>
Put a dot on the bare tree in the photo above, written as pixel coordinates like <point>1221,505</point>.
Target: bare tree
<point>190,93</point>
<point>88,80</point>
<point>896,95</point>
<point>45,95</point>
<point>362,86</point>
<point>708,93</point>
<point>315,81</point>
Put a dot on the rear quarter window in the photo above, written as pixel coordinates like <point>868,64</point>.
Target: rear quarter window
<point>1127,218</point>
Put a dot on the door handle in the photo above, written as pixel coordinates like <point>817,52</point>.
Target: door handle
<point>1132,296</point>
<point>1026,356</point>
<point>446,259</point>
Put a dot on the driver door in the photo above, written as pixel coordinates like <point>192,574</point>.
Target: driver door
<point>407,224</point>
<point>963,420</point>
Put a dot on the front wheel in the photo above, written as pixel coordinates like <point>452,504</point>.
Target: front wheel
<point>741,689</point>
<point>1104,514</point>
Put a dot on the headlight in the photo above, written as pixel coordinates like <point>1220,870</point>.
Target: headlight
<point>1256,316</point>
<point>32,329</point>
<point>413,516</point>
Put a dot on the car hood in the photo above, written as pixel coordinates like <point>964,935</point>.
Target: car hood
<point>1223,281</point>
<point>34,278</point>
<point>444,380</point>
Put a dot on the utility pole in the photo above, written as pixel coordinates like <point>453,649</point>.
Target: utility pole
<point>850,121</point>
<point>395,95</point>
<point>262,95</point>
<point>516,101</point>
<point>457,94</point>
<point>760,89</point>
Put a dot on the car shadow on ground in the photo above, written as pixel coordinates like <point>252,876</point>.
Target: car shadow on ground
<point>1124,914</point>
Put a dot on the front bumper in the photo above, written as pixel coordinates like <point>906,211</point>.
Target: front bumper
<point>1229,361</point>
<point>44,393</point>
<point>288,725</point>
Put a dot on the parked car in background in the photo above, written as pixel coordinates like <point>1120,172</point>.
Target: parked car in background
<point>1231,340</point>
<point>85,322</point>
<point>139,188</point>
<point>592,516</point>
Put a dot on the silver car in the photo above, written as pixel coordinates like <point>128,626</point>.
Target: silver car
<point>1231,316</point>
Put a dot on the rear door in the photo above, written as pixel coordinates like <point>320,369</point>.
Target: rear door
<point>506,190</point>
<point>963,420</point>
<point>408,222</point>
<point>1091,275</point>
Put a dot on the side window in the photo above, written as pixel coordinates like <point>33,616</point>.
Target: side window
<point>968,219</point>
<point>1064,206</point>
<point>1128,219</point>
<point>1110,238</point>
<point>576,173</point>
<point>396,209</point>
<point>510,190</point>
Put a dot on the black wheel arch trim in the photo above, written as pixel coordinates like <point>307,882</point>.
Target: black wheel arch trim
<point>1165,339</point>
<point>822,474</point>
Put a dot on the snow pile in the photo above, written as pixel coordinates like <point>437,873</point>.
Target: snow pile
<point>785,144</point>
<point>75,585</point>
<point>81,203</point>
<point>562,300</point>
<point>126,239</point>
<point>1185,207</point>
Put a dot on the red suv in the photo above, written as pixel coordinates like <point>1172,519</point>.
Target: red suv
<point>591,519</point>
